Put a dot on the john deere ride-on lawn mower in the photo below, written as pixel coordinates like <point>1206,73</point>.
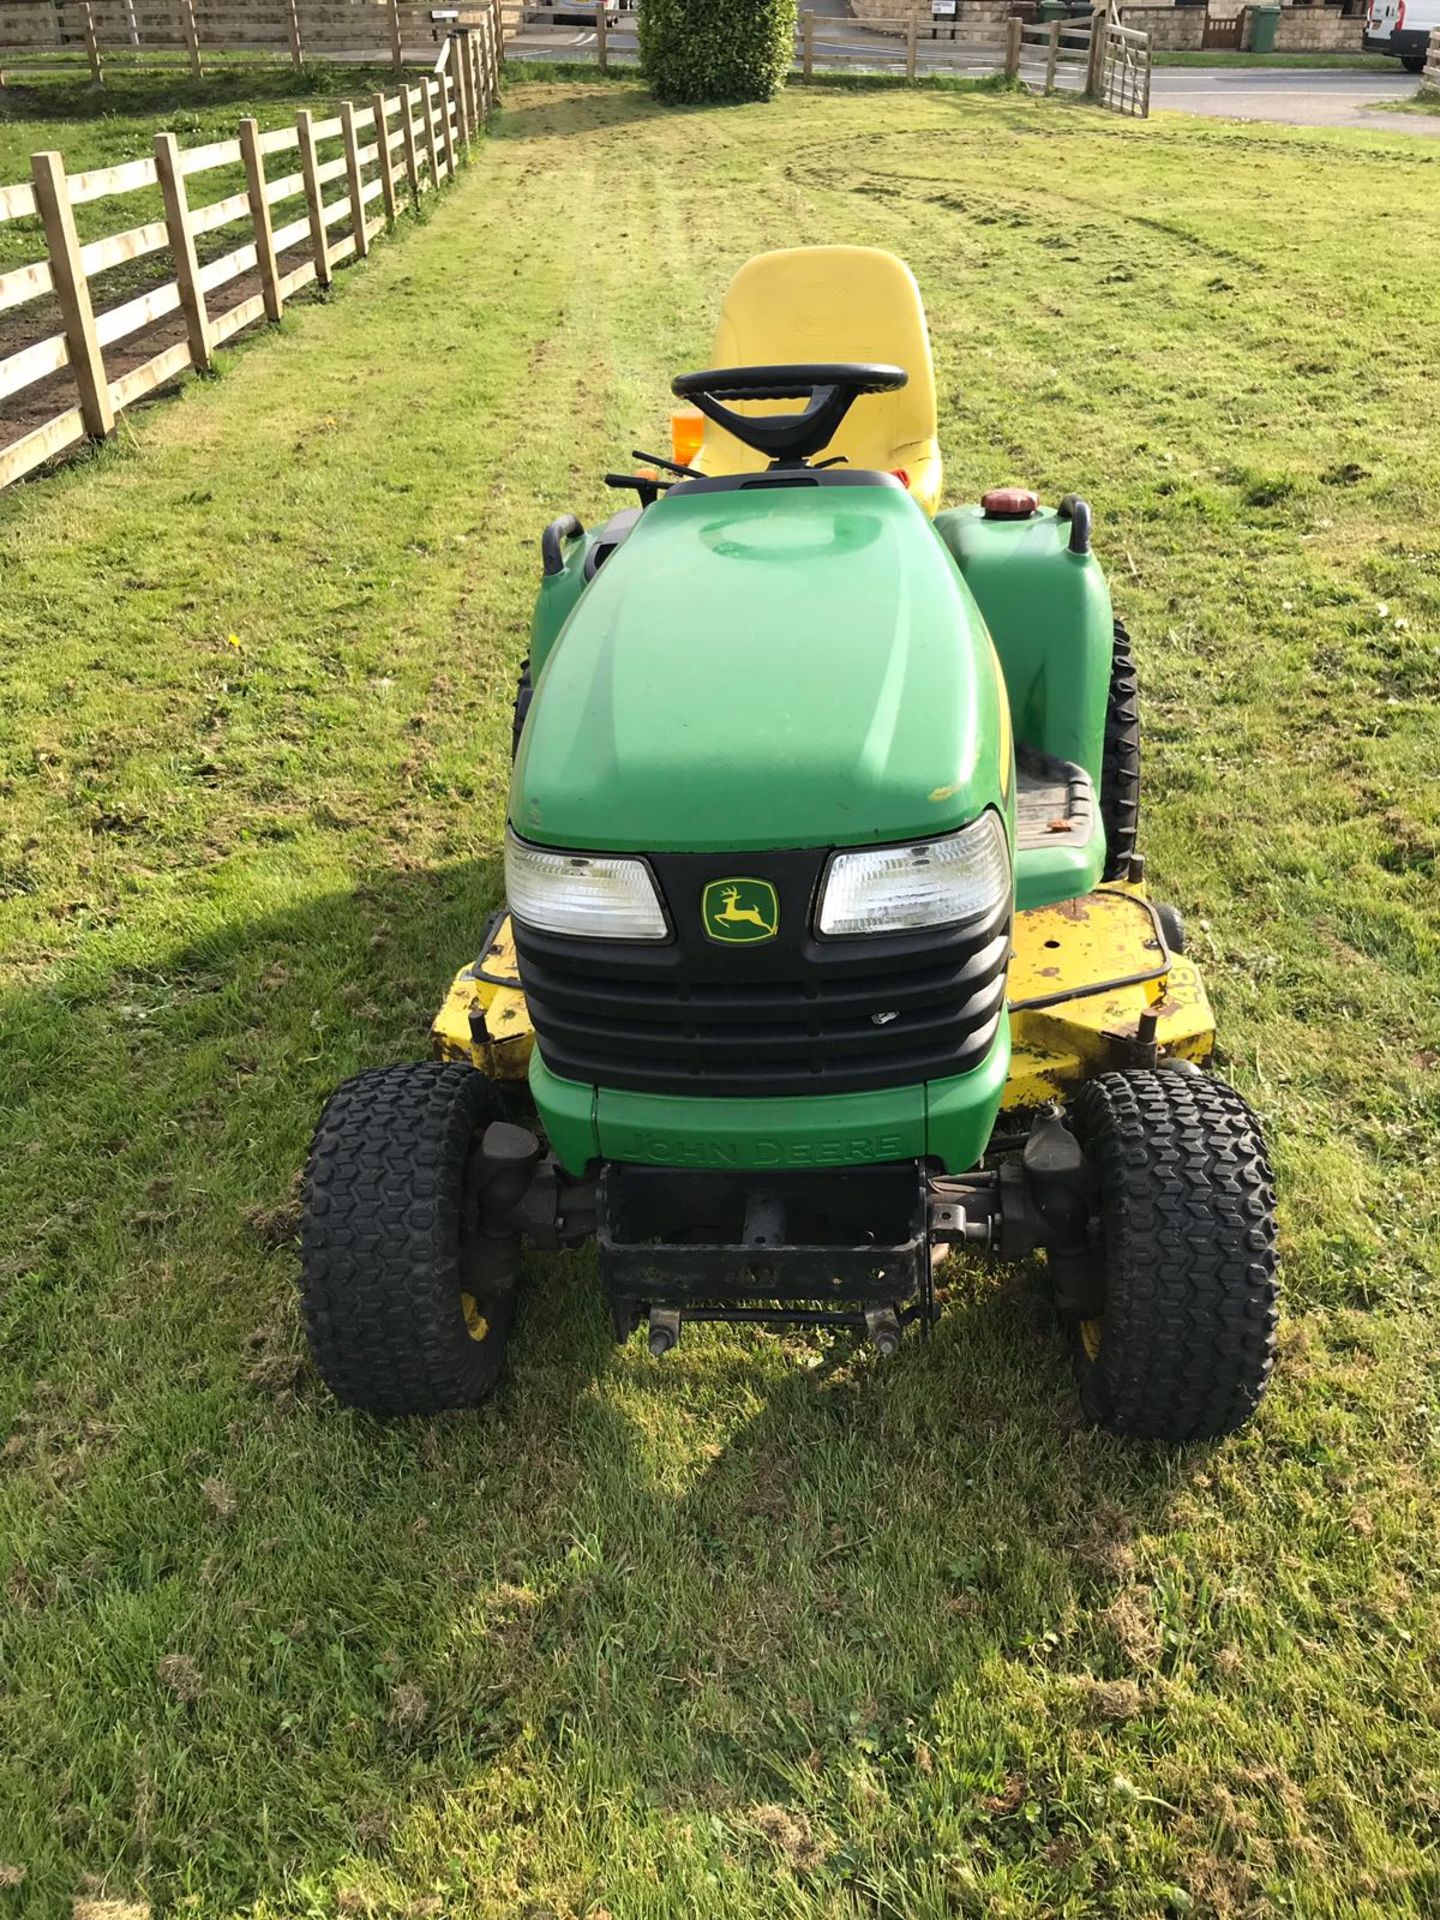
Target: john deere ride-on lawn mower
<point>828,947</point>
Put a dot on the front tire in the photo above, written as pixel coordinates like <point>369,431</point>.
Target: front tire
<point>400,1316</point>
<point>1414,62</point>
<point>1184,1343</point>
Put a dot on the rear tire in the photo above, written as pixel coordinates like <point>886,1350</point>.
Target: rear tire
<point>1185,1341</point>
<point>399,1317</point>
<point>1120,766</point>
<point>1414,62</point>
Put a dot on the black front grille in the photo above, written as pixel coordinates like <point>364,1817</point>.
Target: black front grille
<point>790,1016</point>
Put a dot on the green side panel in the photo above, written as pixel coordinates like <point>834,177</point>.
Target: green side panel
<point>556,601</point>
<point>567,1110</point>
<point>949,1119</point>
<point>1048,611</point>
<point>765,667</point>
<point>960,1113</point>
<point>1045,875</point>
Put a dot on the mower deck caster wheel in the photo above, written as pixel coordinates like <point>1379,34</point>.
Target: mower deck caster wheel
<point>1184,1342</point>
<point>407,1304</point>
<point>1172,925</point>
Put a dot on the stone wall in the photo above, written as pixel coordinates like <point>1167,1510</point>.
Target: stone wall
<point>1300,29</point>
<point>1317,30</point>
<point>977,19</point>
<point>1171,29</point>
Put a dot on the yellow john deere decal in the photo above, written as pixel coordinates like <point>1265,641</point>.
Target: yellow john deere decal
<point>740,912</point>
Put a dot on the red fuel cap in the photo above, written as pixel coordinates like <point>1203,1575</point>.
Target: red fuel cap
<point>1009,503</point>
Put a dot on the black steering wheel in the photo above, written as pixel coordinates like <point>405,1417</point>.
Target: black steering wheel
<point>830,389</point>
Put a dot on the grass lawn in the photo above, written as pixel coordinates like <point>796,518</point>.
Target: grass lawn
<point>769,1630</point>
<point>103,126</point>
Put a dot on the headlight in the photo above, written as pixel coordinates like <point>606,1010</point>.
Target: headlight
<point>931,883</point>
<point>596,896</point>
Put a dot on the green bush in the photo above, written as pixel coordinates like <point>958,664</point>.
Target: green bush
<point>699,50</point>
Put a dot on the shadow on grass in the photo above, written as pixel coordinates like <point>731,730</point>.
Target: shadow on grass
<point>696,1588</point>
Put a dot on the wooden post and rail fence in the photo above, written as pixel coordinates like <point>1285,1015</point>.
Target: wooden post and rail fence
<point>60,37</point>
<point>1097,56</point>
<point>89,364</point>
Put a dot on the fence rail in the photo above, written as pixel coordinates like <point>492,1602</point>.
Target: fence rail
<point>1066,56</point>
<point>64,36</point>
<point>266,235</point>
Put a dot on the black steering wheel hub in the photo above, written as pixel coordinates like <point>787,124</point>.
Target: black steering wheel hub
<point>829,389</point>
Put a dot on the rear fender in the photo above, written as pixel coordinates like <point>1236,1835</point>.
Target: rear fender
<point>1048,610</point>
<point>565,548</point>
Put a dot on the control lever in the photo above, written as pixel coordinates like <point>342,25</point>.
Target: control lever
<point>670,466</point>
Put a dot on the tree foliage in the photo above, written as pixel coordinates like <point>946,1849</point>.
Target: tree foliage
<point>716,50</point>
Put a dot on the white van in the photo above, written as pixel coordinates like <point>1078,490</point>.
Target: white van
<point>1402,27</point>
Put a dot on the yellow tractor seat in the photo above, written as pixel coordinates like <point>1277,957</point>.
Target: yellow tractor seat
<point>807,304</point>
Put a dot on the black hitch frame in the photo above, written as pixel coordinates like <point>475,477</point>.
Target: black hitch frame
<point>709,1245</point>
<point>836,1247</point>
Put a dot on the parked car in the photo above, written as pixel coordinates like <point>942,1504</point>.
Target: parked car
<point>1402,28</point>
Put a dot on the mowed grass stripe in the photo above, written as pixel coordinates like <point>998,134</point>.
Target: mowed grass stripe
<point>770,1630</point>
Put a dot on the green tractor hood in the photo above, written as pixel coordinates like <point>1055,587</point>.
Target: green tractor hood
<point>765,666</point>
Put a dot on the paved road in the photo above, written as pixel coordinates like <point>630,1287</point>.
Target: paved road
<point>1310,97</point>
<point>1299,97</point>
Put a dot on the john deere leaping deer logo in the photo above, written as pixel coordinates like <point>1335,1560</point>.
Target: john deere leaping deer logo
<point>740,911</point>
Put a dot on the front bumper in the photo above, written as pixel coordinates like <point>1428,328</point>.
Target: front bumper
<point>946,1120</point>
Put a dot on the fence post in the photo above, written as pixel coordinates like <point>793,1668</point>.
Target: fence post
<point>460,61</point>
<point>431,144</point>
<point>397,51</point>
<point>352,175</point>
<point>92,47</point>
<point>447,133</point>
<point>1145,103</point>
<point>1095,71</point>
<point>473,44</point>
<point>1053,56</point>
<point>462,104</point>
<point>192,37</point>
<point>265,261</point>
<point>72,291</point>
<point>1014,33</point>
<point>182,248</point>
<point>602,49</point>
<point>912,38</point>
<point>412,152</point>
<point>314,198</point>
<point>387,157</point>
<point>807,44</point>
<point>497,48</point>
<point>297,50</point>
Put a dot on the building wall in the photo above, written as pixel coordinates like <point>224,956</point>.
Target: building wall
<point>984,19</point>
<point>1312,29</point>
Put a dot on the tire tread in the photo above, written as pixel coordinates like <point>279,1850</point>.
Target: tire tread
<point>1188,1216</point>
<point>380,1241</point>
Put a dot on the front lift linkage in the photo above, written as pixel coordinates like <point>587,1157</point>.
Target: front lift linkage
<point>852,1247</point>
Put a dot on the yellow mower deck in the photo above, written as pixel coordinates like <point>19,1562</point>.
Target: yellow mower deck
<point>1083,977</point>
